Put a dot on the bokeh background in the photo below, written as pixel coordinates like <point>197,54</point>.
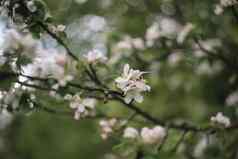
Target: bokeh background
<point>183,87</point>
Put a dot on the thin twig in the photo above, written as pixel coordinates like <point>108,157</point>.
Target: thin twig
<point>58,39</point>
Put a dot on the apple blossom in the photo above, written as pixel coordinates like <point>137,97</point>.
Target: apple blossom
<point>131,133</point>
<point>221,120</point>
<point>95,56</point>
<point>132,84</point>
<point>107,127</point>
<point>82,107</point>
<point>154,135</point>
<point>17,42</point>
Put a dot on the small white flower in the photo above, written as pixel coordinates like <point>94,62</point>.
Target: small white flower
<point>232,99</point>
<point>107,127</point>
<point>153,136</point>
<point>95,56</point>
<point>221,120</point>
<point>228,3</point>
<point>131,133</point>
<point>57,28</point>
<point>218,10</point>
<point>61,28</point>
<point>64,80</point>
<point>132,84</point>
<point>82,107</point>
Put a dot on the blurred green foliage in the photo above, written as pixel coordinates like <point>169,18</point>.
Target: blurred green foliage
<point>44,136</point>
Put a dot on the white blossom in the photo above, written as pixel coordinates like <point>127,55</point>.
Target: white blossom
<point>82,107</point>
<point>63,81</point>
<point>221,120</point>
<point>61,28</point>
<point>154,135</point>
<point>58,28</point>
<point>95,56</point>
<point>125,47</point>
<point>232,99</point>
<point>15,42</point>
<point>132,84</point>
<point>165,27</point>
<point>169,27</point>
<point>175,58</point>
<point>218,10</point>
<point>50,63</point>
<point>107,127</point>
<point>11,98</point>
<point>131,133</point>
<point>227,3</point>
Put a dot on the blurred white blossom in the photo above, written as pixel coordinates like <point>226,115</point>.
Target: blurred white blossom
<point>15,42</point>
<point>219,8</point>
<point>107,127</point>
<point>164,27</point>
<point>95,56</point>
<point>131,133</point>
<point>232,99</point>
<point>154,135</point>
<point>221,120</point>
<point>82,107</point>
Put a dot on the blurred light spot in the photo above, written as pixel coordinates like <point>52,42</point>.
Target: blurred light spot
<point>80,1</point>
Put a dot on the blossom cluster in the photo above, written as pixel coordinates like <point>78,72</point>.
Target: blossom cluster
<point>57,29</point>
<point>147,135</point>
<point>164,27</point>
<point>132,84</point>
<point>23,44</point>
<point>108,127</point>
<point>221,120</point>
<point>44,62</point>
<point>95,56</point>
<point>219,8</point>
<point>82,107</point>
<point>168,28</point>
